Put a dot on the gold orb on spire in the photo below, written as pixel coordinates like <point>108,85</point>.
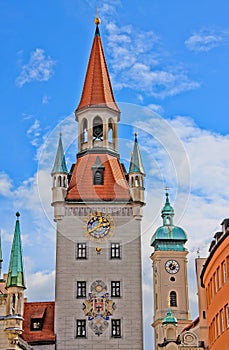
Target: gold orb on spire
<point>97,19</point>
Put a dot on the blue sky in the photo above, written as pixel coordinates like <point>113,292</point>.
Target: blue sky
<point>168,57</point>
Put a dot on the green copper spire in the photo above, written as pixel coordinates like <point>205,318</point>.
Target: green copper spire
<point>168,236</point>
<point>136,161</point>
<point>169,319</point>
<point>167,212</point>
<point>60,164</point>
<point>16,271</point>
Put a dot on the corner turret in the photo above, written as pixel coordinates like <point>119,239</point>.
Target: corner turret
<point>60,179</point>
<point>136,179</point>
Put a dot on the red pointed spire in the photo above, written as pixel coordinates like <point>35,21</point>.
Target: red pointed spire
<point>97,90</point>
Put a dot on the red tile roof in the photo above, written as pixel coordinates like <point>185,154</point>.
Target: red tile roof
<point>97,88</point>
<point>81,186</point>
<point>45,311</point>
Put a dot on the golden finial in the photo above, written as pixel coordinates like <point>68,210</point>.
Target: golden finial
<point>166,188</point>
<point>97,19</point>
<point>98,250</point>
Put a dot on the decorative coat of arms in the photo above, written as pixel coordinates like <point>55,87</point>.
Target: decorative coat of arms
<point>98,307</point>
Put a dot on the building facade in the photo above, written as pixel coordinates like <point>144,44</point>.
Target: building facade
<point>98,212</point>
<point>215,281</point>
<point>170,279</point>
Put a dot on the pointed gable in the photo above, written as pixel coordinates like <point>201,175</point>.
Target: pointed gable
<point>97,89</point>
<point>16,270</point>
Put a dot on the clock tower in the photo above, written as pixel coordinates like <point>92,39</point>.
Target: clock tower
<point>169,273</point>
<point>98,212</point>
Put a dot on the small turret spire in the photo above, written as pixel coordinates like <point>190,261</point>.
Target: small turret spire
<point>136,161</point>
<point>16,270</point>
<point>60,163</point>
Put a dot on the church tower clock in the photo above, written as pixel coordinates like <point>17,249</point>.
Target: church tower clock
<point>170,282</point>
<point>98,212</point>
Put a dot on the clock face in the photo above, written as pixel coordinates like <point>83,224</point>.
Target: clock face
<point>172,266</point>
<point>99,226</point>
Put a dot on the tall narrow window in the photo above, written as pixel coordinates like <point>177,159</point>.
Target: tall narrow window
<point>224,272</point>
<point>227,315</point>
<point>81,289</point>
<point>97,129</point>
<point>84,131</point>
<point>81,251</point>
<point>116,328</point>
<point>115,289</point>
<point>80,328</point>
<point>115,251</point>
<point>173,298</point>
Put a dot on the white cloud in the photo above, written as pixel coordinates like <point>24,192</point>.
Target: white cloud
<point>138,61</point>
<point>45,99</point>
<point>34,133</point>
<point>156,108</point>
<point>6,184</point>
<point>204,41</point>
<point>39,68</point>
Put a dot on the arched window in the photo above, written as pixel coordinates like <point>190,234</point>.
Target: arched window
<point>97,129</point>
<point>173,298</point>
<point>59,181</point>
<point>137,181</point>
<point>84,131</point>
<point>98,177</point>
<point>110,131</point>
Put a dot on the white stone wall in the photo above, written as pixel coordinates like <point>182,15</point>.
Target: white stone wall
<point>127,270</point>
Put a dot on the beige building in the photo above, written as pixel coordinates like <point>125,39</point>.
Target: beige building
<point>170,287</point>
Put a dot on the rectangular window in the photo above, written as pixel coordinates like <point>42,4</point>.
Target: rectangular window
<point>81,289</point>
<point>217,325</point>
<point>224,272</point>
<point>227,316</point>
<point>80,328</point>
<point>218,279</point>
<point>115,289</point>
<point>81,251</point>
<point>116,328</point>
<point>222,321</point>
<point>115,251</point>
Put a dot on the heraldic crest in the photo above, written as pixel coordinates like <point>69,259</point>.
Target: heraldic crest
<point>98,307</point>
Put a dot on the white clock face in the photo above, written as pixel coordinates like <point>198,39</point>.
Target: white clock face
<point>172,266</point>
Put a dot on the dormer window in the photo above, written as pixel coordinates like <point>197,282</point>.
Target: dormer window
<point>98,177</point>
<point>36,324</point>
<point>98,172</point>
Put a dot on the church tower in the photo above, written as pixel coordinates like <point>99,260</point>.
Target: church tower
<point>169,273</point>
<point>98,212</point>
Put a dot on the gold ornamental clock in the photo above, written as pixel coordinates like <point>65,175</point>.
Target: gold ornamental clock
<point>99,226</point>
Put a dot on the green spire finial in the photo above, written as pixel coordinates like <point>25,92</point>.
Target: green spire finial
<point>136,161</point>
<point>16,270</point>
<point>60,163</point>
